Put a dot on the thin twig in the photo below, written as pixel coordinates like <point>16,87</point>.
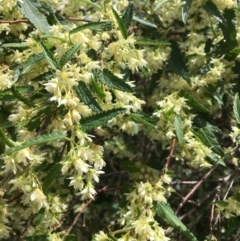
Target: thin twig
<point>14,21</point>
<point>184,182</point>
<point>14,198</point>
<point>224,198</point>
<point>228,190</point>
<point>194,189</point>
<point>82,211</point>
<point>26,227</point>
<point>208,196</point>
<point>168,159</point>
<point>211,218</point>
<point>236,236</point>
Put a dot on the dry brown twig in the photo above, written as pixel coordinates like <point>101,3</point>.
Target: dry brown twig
<point>169,158</point>
<point>198,184</point>
<point>83,210</point>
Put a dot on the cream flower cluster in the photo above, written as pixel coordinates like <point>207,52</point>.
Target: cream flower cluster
<point>138,218</point>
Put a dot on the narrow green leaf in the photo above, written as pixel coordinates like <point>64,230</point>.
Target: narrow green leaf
<point>144,22</point>
<point>160,4</point>
<point>98,89</point>
<point>86,96</point>
<point>176,63</point>
<point>236,108</point>
<point>212,9</point>
<point>185,9</point>
<point>120,23</point>
<point>49,56</point>
<point>20,97</point>
<point>93,26</point>
<point>29,8</point>
<point>193,103</point>
<point>68,54</point>
<point>7,95</point>
<point>53,37</point>
<point>15,45</point>
<point>5,139</point>
<point>45,76</point>
<point>128,15</point>
<point>94,5</point>
<point>6,124</point>
<point>165,212</point>
<point>109,79</point>
<point>48,10</point>
<point>148,42</point>
<point>37,141</point>
<point>140,118</point>
<point>38,219</point>
<point>217,91</point>
<point>33,59</point>
<point>111,236</point>
<point>207,137</point>
<point>102,118</point>
<point>178,129</point>
<point>51,175</point>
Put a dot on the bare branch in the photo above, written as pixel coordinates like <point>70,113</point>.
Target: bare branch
<point>195,188</point>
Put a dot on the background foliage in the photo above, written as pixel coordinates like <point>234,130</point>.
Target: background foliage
<point>119,120</point>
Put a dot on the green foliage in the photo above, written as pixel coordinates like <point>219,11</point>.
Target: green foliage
<point>177,64</point>
<point>30,9</point>
<point>86,96</point>
<point>165,212</point>
<point>121,24</point>
<point>109,79</point>
<point>185,9</point>
<point>37,141</point>
<point>68,55</point>
<point>236,108</point>
<point>93,26</point>
<point>128,15</point>
<point>49,57</point>
<point>207,137</point>
<point>150,43</point>
<point>144,22</point>
<point>102,118</point>
<point>38,219</point>
<point>51,175</point>
<point>179,129</point>
<point>211,8</point>
<point>116,114</point>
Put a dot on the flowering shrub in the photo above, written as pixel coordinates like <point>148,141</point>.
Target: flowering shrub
<point>120,120</point>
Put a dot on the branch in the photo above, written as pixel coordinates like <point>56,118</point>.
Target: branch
<point>82,211</point>
<point>14,21</point>
<point>168,159</point>
<point>26,227</point>
<point>195,188</point>
<point>216,189</point>
<point>14,198</point>
<point>211,218</point>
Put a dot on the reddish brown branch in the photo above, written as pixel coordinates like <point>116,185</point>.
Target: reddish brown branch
<point>168,159</point>
<point>82,211</point>
<point>14,198</point>
<point>195,188</point>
